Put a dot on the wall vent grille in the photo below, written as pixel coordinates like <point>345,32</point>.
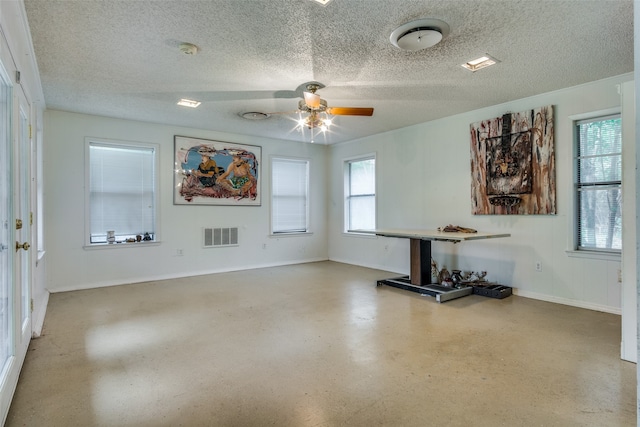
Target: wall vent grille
<point>220,237</point>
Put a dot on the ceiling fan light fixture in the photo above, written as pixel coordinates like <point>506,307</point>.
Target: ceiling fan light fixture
<point>312,100</point>
<point>314,121</point>
<point>321,105</point>
<point>420,34</point>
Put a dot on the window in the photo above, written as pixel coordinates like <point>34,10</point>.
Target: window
<point>121,191</point>
<point>289,195</point>
<point>360,193</point>
<point>598,184</point>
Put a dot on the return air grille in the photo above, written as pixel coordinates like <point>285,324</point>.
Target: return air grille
<point>220,237</point>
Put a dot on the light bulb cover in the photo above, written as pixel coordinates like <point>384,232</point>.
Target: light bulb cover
<point>420,38</point>
<point>419,34</point>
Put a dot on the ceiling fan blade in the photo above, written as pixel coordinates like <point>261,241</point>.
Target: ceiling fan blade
<point>312,100</point>
<point>350,111</point>
<point>282,112</point>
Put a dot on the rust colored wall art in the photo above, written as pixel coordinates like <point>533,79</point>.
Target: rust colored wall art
<point>513,164</point>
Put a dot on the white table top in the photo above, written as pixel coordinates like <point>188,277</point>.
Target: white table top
<point>432,234</point>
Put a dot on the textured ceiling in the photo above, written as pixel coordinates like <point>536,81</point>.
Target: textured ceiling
<point>122,58</point>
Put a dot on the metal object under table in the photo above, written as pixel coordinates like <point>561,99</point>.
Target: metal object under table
<point>419,279</point>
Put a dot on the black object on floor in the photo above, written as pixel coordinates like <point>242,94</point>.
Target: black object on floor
<point>491,290</point>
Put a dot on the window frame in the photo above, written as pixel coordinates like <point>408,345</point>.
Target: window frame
<point>347,191</point>
<point>307,229</point>
<point>156,193</point>
<point>578,250</point>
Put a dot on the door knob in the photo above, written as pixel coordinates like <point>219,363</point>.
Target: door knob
<point>24,246</point>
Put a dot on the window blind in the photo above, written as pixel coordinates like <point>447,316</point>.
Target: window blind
<point>122,191</point>
<point>598,183</point>
<point>289,195</point>
<point>361,200</point>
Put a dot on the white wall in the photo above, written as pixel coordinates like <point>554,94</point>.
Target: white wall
<point>70,266</point>
<point>424,182</point>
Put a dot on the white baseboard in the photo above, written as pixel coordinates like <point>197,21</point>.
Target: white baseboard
<point>516,291</point>
<point>567,301</point>
<point>180,275</point>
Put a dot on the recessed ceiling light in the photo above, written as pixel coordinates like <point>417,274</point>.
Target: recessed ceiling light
<point>322,2</point>
<point>480,63</point>
<point>189,103</point>
<point>254,115</point>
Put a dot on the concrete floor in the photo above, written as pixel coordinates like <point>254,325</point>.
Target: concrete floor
<point>318,345</point>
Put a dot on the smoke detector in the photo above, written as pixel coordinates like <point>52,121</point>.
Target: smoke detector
<point>188,48</point>
<point>420,34</point>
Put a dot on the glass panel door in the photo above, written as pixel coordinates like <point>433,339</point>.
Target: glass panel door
<point>9,369</point>
<point>6,227</point>
<point>22,202</point>
<point>15,228</point>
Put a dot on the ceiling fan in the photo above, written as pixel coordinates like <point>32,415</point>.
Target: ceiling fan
<point>315,112</point>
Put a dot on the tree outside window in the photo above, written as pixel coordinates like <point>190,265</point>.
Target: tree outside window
<point>598,184</point>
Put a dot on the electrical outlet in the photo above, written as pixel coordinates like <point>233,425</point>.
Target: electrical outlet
<point>619,276</point>
<point>264,246</point>
<point>179,252</point>
<point>538,266</point>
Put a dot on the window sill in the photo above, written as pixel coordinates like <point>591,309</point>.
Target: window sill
<point>366,235</point>
<point>99,246</point>
<point>292,234</point>
<point>605,256</point>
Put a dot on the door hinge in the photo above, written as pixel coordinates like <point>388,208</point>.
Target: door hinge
<point>30,134</point>
<point>17,77</point>
<point>31,305</point>
<point>30,218</point>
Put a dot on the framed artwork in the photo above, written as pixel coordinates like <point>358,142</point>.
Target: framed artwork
<point>208,172</point>
<point>513,164</point>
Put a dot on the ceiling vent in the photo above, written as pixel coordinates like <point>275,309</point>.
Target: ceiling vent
<point>420,34</point>
<point>254,115</point>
